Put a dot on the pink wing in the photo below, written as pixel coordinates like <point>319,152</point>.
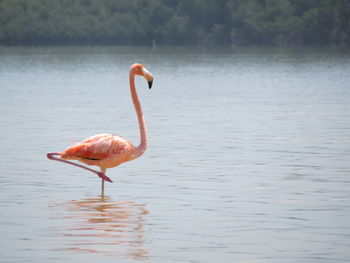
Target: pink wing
<point>98,147</point>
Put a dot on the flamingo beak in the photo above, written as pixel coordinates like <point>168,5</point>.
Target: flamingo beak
<point>148,76</point>
<point>150,84</point>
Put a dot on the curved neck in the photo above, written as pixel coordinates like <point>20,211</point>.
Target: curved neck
<point>142,123</point>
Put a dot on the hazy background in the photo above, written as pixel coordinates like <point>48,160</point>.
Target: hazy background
<point>175,22</point>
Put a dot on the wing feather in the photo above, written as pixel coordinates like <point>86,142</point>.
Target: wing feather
<point>98,147</point>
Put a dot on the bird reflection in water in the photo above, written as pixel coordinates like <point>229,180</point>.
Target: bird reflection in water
<point>102,225</point>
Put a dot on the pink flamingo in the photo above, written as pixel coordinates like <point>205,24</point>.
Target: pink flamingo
<point>108,150</point>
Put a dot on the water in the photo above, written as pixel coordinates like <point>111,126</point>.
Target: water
<point>248,158</point>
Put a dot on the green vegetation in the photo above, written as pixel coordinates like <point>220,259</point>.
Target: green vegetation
<point>175,22</point>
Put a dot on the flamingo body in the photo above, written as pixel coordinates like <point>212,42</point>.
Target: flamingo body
<point>103,150</point>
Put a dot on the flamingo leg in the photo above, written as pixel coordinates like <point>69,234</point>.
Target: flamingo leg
<point>103,170</point>
<point>100,174</point>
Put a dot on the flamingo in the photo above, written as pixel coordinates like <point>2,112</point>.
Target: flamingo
<point>109,150</point>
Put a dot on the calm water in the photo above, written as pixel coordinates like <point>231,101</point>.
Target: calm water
<point>248,159</point>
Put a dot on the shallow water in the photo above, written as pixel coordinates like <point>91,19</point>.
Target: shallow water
<point>248,159</point>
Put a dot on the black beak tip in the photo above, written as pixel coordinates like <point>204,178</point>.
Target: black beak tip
<point>150,83</point>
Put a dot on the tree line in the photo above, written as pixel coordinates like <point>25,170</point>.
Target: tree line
<point>175,22</point>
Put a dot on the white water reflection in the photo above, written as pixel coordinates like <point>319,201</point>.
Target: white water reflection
<point>102,225</point>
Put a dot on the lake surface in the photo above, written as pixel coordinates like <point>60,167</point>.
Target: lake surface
<point>248,159</point>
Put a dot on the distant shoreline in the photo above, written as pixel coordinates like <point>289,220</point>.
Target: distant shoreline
<point>280,23</point>
<point>200,47</point>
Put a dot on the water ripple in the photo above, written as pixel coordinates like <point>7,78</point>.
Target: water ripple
<point>101,225</point>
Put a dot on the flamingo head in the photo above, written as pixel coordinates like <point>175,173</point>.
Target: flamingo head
<point>140,70</point>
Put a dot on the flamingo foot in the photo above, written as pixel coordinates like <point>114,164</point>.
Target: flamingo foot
<point>104,177</point>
